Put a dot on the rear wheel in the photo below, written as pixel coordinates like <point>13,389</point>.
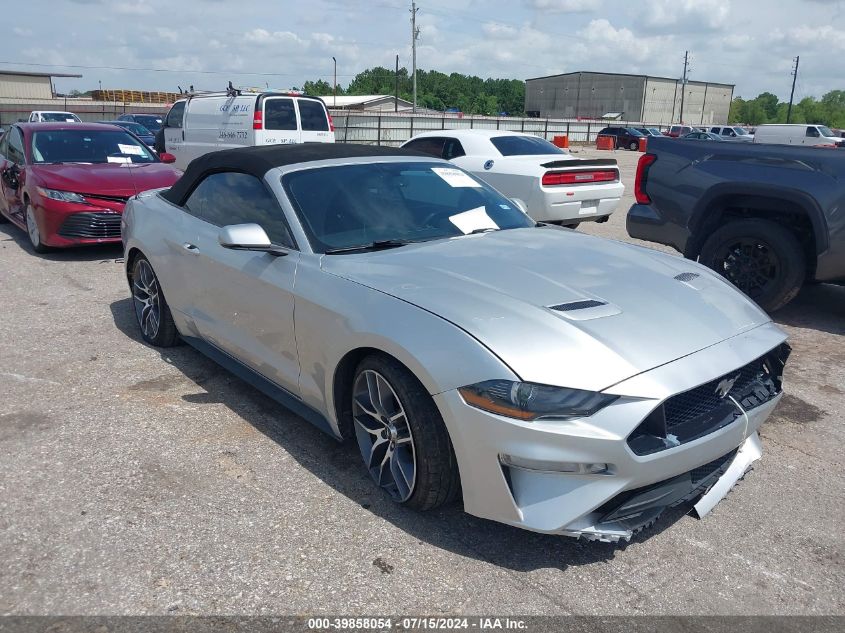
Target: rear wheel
<point>33,232</point>
<point>759,257</point>
<point>633,146</point>
<point>151,309</point>
<point>401,435</point>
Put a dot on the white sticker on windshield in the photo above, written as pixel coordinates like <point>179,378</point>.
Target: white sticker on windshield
<point>118,159</point>
<point>473,220</point>
<point>455,177</point>
<point>130,149</point>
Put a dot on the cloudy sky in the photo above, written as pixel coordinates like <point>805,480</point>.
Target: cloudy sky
<point>159,44</point>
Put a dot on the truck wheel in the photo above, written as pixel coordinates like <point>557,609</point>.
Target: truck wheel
<point>759,257</point>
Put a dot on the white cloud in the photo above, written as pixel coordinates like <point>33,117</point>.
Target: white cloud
<point>565,6</point>
<point>499,31</point>
<point>686,14</point>
<point>136,7</point>
<point>22,32</point>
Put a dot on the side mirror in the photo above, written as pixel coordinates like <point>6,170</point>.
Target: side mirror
<point>248,237</point>
<point>519,204</point>
<point>167,157</point>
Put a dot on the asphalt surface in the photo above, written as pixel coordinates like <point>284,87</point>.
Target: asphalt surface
<point>140,481</point>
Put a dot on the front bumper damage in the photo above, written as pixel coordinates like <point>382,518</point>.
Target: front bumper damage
<point>636,510</point>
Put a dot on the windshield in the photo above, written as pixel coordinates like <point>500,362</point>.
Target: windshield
<point>149,121</point>
<point>524,146</point>
<point>356,205</point>
<point>88,146</point>
<point>59,117</point>
<point>634,132</point>
<point>135,128</point>
<point>826,131</point>
<point>739,131</point>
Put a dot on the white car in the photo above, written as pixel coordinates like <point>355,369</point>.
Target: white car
<point>548,182</point>
<point>732,133</point>
<point>53,116</point>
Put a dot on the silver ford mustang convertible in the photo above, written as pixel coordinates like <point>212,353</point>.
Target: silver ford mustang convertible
<point>562,383</point>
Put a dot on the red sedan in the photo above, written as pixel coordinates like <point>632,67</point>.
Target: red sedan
<point>66,184</point>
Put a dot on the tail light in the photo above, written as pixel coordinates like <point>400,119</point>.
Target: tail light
<point>258,120</point>
<point>331,123</point>
<point>641,180</point>
<point>579,177</point>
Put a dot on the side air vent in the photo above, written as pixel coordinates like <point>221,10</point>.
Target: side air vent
<point>687,276</point>
<point>578,305</point>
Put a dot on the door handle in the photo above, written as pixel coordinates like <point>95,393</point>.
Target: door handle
<point>193,250</point>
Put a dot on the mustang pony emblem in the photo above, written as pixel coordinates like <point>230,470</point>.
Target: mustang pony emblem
<point>725,385</point>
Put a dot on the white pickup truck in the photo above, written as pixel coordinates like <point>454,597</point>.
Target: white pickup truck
<point>553,185</point>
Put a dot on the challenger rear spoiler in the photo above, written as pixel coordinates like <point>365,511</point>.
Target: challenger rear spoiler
<point>593,162</point>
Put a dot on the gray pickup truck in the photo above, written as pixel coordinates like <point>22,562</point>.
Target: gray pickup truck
<point>768,217</point>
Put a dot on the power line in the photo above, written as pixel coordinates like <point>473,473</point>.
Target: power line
<point>159,70</point>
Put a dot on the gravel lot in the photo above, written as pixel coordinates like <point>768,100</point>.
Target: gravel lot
<point>135,481</point>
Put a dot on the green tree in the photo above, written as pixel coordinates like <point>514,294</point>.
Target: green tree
<point>737,111</point>
<point>769,103</point>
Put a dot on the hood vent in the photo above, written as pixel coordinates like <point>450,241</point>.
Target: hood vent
<point>578,305</point>
<point>685,277</point>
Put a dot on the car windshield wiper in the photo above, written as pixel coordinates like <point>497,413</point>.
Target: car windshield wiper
<point>372,246</point>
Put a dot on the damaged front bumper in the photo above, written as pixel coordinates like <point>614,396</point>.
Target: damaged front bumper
<point>635,510</point>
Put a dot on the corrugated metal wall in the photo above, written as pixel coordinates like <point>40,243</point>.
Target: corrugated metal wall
<point>652,99</point>
<point>25,87</point>
<point>587,95</point>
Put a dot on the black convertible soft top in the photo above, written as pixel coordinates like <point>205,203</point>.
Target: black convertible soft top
<point>259,160</point>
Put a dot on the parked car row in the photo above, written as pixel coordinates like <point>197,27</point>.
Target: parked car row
<point>344,281</point>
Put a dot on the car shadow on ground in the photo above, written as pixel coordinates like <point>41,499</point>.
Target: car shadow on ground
<point>818,307</point>
<point>10,233</point>
<point>340,466</point>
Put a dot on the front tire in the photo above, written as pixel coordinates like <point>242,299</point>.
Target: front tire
<point>33,232</point>
<point>401,435</point>
<point>633,146</point>
<point>151,309</point>
<point>759,257</point>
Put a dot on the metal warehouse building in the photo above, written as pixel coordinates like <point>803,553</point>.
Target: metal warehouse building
<point>25,85</point>
<point>628,97</point>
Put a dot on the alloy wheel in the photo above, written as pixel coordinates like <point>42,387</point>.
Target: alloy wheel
<point>146,297</point>
<point>748,263</point>
<point>32,227</point>
<point>384,435</point>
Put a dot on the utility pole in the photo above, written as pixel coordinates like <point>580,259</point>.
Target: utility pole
<point>415,33</point>
<point>792,94</point>
<point>684,85</point>
<point>334,85</point>
<point>396,89</point>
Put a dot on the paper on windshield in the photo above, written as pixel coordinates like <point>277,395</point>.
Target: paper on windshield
<point>130,149</point>
<point>118,159</point>
<point>455,177</point>
<point>473,220</point>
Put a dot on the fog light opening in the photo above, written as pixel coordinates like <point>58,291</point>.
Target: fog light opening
<point>547,466</point>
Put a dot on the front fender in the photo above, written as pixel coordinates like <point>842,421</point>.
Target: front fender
<point>335,316</point>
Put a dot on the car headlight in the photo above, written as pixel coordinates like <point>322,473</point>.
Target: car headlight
<point>62,196</point>
<point>530,401</point>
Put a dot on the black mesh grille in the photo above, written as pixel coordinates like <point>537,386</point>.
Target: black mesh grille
<point>686,276</point>
<point>578,305</point>
<point>703,472</point>
<point>709,407</point>
<point>691,404</point>
<point>91,226</point>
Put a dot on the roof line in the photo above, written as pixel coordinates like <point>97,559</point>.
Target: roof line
<point>592,72</point>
